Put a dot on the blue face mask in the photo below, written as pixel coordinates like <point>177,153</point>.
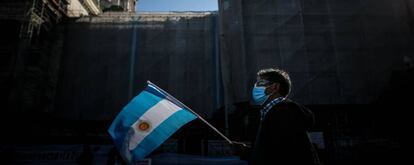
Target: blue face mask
<point>259,95</point>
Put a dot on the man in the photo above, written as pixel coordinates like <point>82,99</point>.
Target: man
<point>282,137</point>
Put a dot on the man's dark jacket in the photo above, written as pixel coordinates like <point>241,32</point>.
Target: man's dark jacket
<point>282,136</point>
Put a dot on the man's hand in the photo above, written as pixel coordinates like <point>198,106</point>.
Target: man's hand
<point>235,143</point>
<point>240,149</point>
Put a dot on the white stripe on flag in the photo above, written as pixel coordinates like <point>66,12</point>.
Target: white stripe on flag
<point>154,117</point>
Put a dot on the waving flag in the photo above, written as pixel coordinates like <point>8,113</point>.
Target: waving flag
<point>146,122</point>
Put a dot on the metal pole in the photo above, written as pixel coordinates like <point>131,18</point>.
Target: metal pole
<point>189,109</point>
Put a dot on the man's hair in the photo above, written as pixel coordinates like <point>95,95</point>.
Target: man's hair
<point>277,76</point>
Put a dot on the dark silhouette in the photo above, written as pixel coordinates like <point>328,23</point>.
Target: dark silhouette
<point>114,158</point>
<point>86,157</point>
<point>282,137</point>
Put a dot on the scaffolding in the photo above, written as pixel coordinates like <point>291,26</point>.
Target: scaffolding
<point>42,14</point>
<point>34,15</point>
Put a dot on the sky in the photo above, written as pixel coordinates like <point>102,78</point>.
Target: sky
<point>177,5</point>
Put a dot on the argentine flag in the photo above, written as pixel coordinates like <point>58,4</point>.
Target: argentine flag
<point>146,122</point>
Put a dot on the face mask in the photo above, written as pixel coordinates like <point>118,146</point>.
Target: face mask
<point>259,95</point>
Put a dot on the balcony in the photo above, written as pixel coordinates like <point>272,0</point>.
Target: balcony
<point>92,6</point>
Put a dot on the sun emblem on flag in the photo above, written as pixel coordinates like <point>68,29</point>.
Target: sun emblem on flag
<point>143,126</point>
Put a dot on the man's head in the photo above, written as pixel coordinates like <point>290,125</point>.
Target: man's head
<point>276,81</point>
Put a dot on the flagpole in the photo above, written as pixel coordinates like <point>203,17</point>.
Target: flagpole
<point>189,109</point>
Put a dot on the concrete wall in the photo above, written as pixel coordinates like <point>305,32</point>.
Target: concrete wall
<point>337,52</point>
<point>176,51</point>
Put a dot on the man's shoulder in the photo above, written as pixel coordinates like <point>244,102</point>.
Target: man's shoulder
<point>290,111</point>
<point>286,107</point>
<point>287,104</point>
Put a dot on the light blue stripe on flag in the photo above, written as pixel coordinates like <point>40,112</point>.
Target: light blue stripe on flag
<point>146,122</point>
